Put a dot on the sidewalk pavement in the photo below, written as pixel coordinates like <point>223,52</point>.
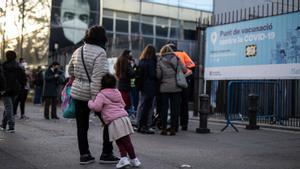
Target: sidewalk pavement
<point>52,144</point>
<point>221,120</point>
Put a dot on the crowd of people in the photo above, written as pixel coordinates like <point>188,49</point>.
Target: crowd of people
<point>112,97</point>
<point>16,82</point>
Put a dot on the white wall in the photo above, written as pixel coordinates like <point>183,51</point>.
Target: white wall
<point>154,9</point>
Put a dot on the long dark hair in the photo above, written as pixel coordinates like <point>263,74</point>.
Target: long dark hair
<point>121,66</point>
<point>148,52</point>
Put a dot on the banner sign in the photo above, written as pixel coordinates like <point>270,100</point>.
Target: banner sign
<point>69,21</point>
<point>265,48</point>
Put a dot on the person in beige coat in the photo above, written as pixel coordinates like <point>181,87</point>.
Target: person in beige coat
<point>86,85</point>
<point>170,92</point>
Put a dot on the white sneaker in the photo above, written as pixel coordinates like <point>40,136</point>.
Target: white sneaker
<point>123,162</point>
<point>135,162</point>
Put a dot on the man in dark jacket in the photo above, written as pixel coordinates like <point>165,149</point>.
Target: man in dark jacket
<point>15,77</point>
<point>53,76</point>
<point>2,80</point>
<point>24,88</point>
<point>38,86</point>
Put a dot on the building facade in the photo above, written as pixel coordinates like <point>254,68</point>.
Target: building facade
<point>45,30</point>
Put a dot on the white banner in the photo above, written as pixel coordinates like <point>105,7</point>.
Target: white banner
<point>278,71</point>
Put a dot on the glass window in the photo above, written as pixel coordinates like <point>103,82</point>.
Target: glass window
<point>160,43</point>
<point>147,41</point>
<point>108,23</point>
<point>135,17</point>
<point>189,25</point>
<point>161,31</point>
<point>108,13</point>
<point>109,38</point>
<point>190,34</point>
<point>147,29</point>
<point>121,26</point>
<point>135,42</point>
<point>162,21</point>
<point>147,19</point>
<point>122,41</point>
<point>134,27</point>
<point>173,33</point>
<point>109,35</point>
<point>174,23</point>
<point>122,15</point>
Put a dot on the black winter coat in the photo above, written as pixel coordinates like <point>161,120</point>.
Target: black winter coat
<point>124,83</point>
<point>2,79</point>
<point>52,83</point>
<point>15,77</point>
<point>147,74</point>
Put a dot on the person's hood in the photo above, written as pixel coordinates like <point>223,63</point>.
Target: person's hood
<point>113,95</point>
<point>167,59</point>
<point>168,56</point>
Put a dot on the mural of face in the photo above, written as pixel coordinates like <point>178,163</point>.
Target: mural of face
<point>74,19</point>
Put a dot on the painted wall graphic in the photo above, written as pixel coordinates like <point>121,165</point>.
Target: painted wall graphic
<point>266,48</point>
<point>69,21</point>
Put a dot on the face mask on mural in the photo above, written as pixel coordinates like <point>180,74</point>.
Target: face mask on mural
<point>74,30</point>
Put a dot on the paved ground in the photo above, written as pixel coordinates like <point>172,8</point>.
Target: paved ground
<point>52,144</point>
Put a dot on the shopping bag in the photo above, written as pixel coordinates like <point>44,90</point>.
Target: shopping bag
<point>67,103</point>
<point>180,77</point>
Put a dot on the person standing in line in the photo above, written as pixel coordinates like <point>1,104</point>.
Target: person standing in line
<point>15,78</point>
<point>2,80</point>
<point>134,93</point>
<point>86,85</point>
<point>22,96</point>
<point>110,106</point>
<point>38,86</point>
<point>184,106</point>
<point>147,75</point>
<point>52,80</point>
<point>170,92</point>
<point>124,73</point>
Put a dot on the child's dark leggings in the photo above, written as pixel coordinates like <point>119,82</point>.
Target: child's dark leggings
<point>125,146</point>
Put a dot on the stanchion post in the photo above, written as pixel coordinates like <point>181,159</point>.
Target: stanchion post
<point>203,114</point>
<point>252,111</point>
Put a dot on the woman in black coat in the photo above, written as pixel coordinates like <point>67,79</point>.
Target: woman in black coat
<point>148,87</point>
<point>124,73</point>
<point>53,77</point>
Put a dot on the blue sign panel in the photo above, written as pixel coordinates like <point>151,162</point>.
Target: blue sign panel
<point>266,48</point>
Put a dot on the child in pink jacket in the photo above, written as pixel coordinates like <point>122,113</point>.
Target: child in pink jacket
<point>111,105</point>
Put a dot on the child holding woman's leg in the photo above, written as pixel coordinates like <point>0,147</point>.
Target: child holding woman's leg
<point>111,105</point>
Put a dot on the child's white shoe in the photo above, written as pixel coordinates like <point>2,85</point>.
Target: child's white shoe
<point>135,162</point>
<point>123,162</point>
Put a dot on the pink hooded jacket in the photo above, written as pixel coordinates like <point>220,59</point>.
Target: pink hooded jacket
<point>110,104</point>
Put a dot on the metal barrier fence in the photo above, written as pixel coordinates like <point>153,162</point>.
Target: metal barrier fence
<point>278,104</point>
<point>279,100</point>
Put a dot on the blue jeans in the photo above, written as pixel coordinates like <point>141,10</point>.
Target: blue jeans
<point>38,95</point>
<point>8,115</point>
<point>145,111</point>
<point>134,96</point>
